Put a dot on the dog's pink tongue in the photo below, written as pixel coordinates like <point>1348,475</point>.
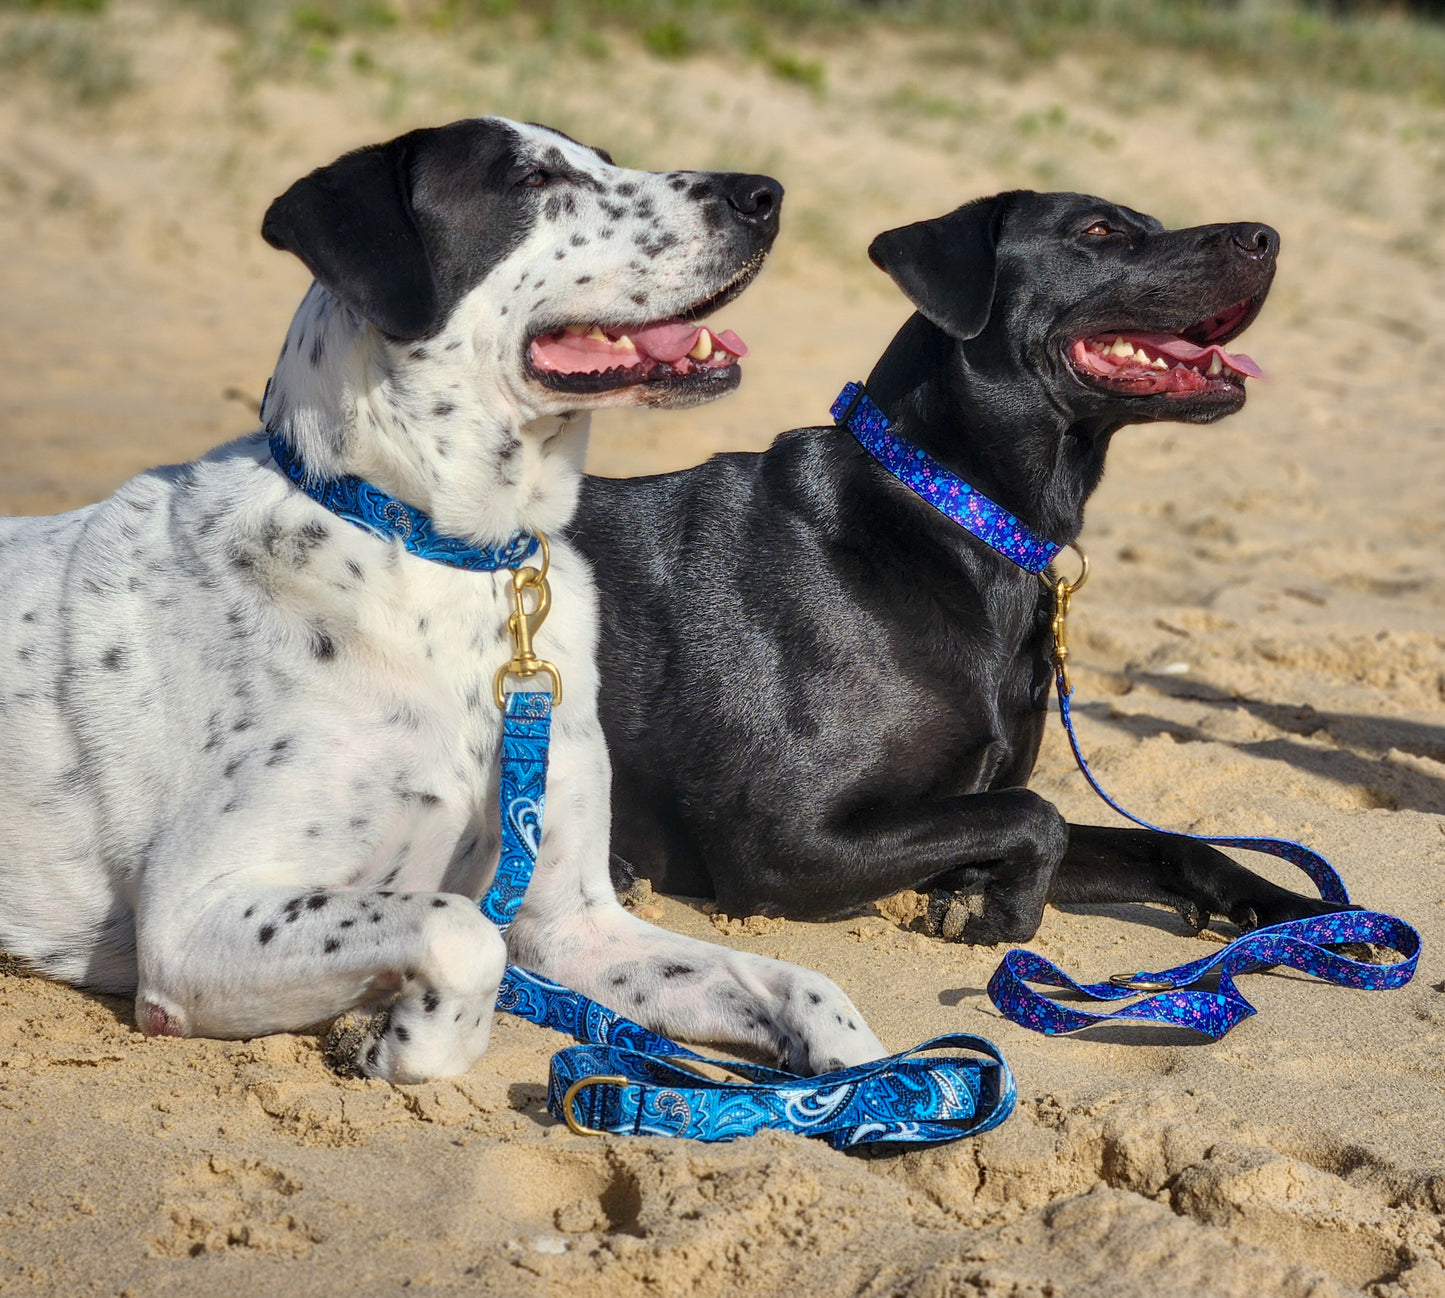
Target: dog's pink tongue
<point>1182,350</point>
<point>669,343</point>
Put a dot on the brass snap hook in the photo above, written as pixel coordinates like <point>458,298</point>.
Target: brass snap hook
<point>523,624</point>
<point>1063,592</point>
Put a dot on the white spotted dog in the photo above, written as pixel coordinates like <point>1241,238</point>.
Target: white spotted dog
<point>250,753</point>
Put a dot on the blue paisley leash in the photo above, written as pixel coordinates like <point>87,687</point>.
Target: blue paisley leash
<point>1298,944</point>
<point>626,1079</point>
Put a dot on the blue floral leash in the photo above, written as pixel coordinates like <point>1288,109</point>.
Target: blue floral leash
<point>1173,1000</point>
<point>626,1079</point>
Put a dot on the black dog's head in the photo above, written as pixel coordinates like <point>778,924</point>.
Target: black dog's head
<point>1110,318</point>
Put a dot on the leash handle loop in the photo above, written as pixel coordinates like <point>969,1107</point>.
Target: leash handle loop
<point>905,1098</point>
<point>1298,944</point>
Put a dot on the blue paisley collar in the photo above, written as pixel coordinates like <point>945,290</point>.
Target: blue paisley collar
<point>938,486</point>
<point>368,507</point>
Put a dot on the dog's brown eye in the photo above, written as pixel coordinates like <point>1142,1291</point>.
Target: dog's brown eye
<point>1100,230</point>
<point>535,179</point>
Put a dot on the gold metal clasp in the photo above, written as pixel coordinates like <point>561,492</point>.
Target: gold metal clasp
<point>1063,592</point>
<point>523,625</point>
<point>569,1116</point>
<point>1137,984</point>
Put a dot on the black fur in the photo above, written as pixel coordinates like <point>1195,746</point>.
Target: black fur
<point>402,231</point>
<point>816,689</point>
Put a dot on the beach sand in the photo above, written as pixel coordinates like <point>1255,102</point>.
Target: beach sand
<point>1259,651</point>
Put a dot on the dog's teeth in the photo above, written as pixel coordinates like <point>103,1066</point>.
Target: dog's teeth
<point>702,349</point>
<point>626,344</point>
<point>1142,356</point>
<point>596,333</point>
<point>1216,366</point>
<point>1160,363</point>
<point>1121,348</point>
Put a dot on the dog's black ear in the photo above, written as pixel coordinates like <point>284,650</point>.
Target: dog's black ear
<point>353,226</point>
<point>947,266</point>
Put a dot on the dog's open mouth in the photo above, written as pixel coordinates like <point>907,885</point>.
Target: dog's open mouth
<point>591,358</point>
<point>1185,364</point>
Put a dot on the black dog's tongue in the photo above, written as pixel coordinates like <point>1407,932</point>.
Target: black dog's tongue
<point>1160,363</point>
<point>1181,349</point>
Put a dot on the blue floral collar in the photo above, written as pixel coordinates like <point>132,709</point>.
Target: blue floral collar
<point>938,486</point>
<point>369,507</point>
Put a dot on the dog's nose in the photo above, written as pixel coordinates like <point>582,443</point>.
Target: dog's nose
<point>1257,241</point>
<point>755,199</point>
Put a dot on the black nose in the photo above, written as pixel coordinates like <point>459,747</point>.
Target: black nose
<point>1257,241</point>
<point>755,199</point>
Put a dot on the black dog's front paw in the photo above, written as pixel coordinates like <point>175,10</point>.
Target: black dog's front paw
<point>975,919</point>
<point>1263,912</point>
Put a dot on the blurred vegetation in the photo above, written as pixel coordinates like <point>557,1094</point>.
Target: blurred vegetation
<point>88,69</point>
<point>1366,44</point>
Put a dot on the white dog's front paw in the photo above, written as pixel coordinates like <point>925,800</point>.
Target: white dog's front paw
<point>831,1035</point>
<point>418,1038</point>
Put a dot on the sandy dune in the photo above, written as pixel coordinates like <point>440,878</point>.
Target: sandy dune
<point>1260,651</point>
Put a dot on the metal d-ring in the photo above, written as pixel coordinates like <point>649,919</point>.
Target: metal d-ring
<point>577,1127</point>
<point>1134,983</point>
<point>1072,586</point>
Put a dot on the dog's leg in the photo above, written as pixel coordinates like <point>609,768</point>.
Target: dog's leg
<point>266,959</point>
<point>573,930</point>
<point>1107,864</point>
<point>997,851</point>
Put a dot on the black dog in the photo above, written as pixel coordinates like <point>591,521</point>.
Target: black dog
<point>817,690</point>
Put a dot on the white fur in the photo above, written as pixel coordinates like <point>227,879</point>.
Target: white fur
<point>229,716</point>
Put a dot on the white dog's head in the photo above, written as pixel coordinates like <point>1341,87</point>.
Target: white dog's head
<point>490,275</point>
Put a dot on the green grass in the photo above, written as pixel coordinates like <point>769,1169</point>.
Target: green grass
<point>1389,48</point>
<point>1365,45</point>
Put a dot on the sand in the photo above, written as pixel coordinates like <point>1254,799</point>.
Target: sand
<point>1259,650</point>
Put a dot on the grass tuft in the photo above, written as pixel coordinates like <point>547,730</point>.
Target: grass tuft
<point>77,60</point>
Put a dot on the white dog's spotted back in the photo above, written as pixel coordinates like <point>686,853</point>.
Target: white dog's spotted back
<point>252,756</point>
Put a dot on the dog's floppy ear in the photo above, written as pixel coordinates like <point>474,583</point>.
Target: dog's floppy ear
<point>353,226</point>
<point>947,266</point>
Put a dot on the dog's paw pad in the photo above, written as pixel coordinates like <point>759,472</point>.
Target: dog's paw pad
<point>1195,917</point>
<point>949,913</point>
<point>353,1042</point>
<point>931,921</point>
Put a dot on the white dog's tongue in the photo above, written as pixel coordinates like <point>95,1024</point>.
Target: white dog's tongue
<point>683,346</point>
<point>1182,350</point>
<point>669,343</point>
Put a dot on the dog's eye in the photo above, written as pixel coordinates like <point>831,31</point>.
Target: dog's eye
<point>535,179</point>
<point>1101,230</point>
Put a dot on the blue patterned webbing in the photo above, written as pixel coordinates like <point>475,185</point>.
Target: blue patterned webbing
<point>912,1098</point>
<point>371,509</point>
<point>1298,944</point>
<point>940,487</point>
